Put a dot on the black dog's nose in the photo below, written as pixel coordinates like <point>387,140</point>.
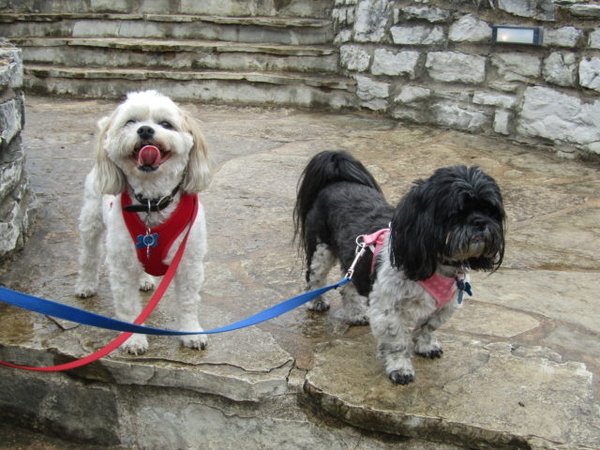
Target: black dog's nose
<point>145,132</point>
<point>480,224</point>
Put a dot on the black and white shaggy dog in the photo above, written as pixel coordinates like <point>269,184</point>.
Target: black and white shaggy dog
<point>446,225</point>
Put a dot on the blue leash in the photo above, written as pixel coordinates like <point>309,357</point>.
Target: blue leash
<point>83,317</point>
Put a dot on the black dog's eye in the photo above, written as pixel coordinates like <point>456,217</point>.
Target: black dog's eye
<point>165,124</point>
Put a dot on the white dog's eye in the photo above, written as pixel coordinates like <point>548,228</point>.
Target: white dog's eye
<point>130,122</point>
<point>165,124</point>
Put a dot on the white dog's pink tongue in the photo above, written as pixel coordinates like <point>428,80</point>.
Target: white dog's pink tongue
<point>149,155</point>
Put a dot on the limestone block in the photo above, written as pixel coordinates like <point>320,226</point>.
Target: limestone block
<point>11,68</point>
<point>417,35</point>
<point>457,117</point>
<point>562,37</point>
<point>354,57</point>
<point>371,19</point>
<point>470,29</point>
<point>493,99</point>
<point>538,9</point>
<point>372,94</point>
<point>109,6</point>
<point>428,13</point>
<point>594,41</point>
<point>589,73</point>
<point>456,67</point>
<point>517,66</point>
<point>591,11</point>
<point>389,63</point>
<point>343,37</point>
<point>502,119</point>
<point>560,68</point>
<point>11,119</point>
<point>15,221</point>
<point>410,94</point>
<point>559,117</point>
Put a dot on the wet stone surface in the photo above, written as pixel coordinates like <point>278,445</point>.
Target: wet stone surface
<point>521,361</point>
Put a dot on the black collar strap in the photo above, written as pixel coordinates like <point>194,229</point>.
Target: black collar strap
<point>151,205</point>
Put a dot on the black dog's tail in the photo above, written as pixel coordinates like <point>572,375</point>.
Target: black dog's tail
<point>323,169</point>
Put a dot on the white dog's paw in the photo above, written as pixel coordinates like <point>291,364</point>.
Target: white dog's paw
<point>84,291</point>
<point>147,283</point>
<point>197,342</point>
<point>137,344</point>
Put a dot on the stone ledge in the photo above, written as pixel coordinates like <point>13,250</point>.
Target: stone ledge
<point>480,394</point>
<point>182,45</point>
<point>268,21</point>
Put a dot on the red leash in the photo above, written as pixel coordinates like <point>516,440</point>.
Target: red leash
<point>158,294</point>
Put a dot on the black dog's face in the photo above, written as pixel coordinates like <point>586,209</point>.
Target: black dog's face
<point>454,217</point>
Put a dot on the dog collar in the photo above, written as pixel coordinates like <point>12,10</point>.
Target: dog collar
<point>151,205</point>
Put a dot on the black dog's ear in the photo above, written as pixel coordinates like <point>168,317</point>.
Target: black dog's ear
<point>412,237</point>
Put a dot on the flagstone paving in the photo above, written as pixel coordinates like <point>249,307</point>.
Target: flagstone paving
<point>522,356</point>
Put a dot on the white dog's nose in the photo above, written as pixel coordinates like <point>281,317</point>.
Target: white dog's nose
<point>145,132</point>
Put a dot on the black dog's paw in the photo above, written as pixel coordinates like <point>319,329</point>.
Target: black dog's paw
<point>432,354</point>
<point>399,377</point>
<point>318,305</point>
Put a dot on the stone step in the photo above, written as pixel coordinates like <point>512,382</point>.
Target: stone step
<point>279,30</point>
<point>299,8</point>
<point>177,54</point>
<point>240,87</point>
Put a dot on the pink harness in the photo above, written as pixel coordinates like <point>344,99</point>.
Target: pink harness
<point>442,289</point>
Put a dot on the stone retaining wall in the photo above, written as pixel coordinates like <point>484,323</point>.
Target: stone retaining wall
<point>433,61</point>
<point>15,195</point>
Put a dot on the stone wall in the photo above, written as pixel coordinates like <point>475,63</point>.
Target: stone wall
<point>433,61</point>
<point>15,195</point>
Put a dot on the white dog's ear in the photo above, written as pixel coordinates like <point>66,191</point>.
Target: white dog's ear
<point>198,171</point>
<point>109,178</point>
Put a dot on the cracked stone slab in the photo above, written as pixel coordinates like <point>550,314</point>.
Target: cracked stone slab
<point>245,365</point>
<point>480,394</point>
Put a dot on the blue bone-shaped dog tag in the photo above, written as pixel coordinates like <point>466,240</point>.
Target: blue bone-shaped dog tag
<point>147,240</point>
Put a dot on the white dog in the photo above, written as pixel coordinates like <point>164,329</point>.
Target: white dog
<point>151,155</point>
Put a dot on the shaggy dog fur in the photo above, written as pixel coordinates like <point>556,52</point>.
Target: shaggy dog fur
<point>153,150</point>
<point>446,225</point>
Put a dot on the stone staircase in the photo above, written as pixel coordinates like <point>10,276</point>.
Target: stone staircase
<point>244,52</point>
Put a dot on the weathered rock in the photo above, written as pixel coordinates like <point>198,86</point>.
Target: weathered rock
<point>563,37</point>
<point>354,57</point>
<point>560,117</point>
<point>372,94</point>
<point>517,66</point>
<point>589,73</point>
<point>456,388</point>
<point>456,67</point>
<point>429,13</point>
<point>417,35</point>
<point>560,68</point>
<point>470,29</point>
<point>539,9</point>
<point>390,63</point>
<point>371,18</point>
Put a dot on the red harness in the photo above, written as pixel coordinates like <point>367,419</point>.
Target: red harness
<point>153,244</point>
<point>442,289</point>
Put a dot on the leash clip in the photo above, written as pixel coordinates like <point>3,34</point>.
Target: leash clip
<point>361,247</point>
